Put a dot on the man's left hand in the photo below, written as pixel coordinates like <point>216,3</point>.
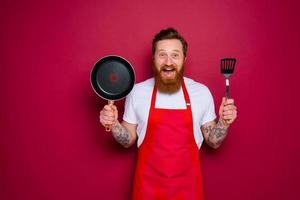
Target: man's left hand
<point>227,111</point>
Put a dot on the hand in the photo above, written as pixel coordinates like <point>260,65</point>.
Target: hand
<point>227,111</point>
<point>108,115</point>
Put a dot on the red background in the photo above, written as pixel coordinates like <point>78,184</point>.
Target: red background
<point>51,144</point>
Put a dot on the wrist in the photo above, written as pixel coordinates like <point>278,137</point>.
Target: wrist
<point>224,123</point>
<point>116,123</point>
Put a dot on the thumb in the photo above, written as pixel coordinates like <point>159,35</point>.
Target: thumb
<point>223,101</point>
<point>115,110</point>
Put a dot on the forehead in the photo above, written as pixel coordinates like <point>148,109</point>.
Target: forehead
<point>169,45</point>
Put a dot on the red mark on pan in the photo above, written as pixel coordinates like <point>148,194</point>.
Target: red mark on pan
<point>113,77</point>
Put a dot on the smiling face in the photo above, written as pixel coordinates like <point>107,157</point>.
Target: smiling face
<point>168,65</point>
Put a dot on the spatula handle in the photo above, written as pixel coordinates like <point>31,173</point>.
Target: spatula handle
<point>227,88</point>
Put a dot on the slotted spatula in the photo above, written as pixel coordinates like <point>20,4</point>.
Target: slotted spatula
<point>227,68</point>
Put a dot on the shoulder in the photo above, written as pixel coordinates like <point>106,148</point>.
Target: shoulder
<point>149,83</point>
<point>143,88</point>
<point>195,87</point>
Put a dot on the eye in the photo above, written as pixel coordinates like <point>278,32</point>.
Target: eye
<point>175,55</point>
<point>162,54</point>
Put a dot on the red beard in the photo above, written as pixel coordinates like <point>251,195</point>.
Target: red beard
<point>168,85</point>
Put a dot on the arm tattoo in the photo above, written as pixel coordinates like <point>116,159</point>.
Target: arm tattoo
<point>216,134</point>
<point>121,134</point>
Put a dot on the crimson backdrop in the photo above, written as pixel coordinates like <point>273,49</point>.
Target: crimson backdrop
<point>51,144</point>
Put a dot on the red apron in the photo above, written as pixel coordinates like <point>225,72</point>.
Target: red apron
<point>168,165</point>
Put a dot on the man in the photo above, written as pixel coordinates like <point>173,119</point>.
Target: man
<point>170,115</point>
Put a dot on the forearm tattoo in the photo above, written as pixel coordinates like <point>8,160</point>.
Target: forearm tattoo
<point>121,134</point>
<point>216,134</point>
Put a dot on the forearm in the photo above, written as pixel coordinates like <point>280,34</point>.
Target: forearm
<point>216,134</point>
<point>121,135</point>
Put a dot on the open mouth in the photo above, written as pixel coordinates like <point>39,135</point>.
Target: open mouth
<point>168,72</point>
<point>168,69</point>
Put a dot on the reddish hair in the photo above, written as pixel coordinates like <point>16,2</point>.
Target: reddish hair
<point>169,33</point>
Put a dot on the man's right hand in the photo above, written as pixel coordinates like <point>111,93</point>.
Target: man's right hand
<point>124,133</point>
<point>109,115</point>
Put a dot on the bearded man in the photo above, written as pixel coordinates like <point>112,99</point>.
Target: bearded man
<point>170,115</point>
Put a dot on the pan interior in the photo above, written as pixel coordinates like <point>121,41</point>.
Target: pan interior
<point>113,78</point>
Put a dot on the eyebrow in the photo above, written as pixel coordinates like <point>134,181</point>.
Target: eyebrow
<point>165,50</point>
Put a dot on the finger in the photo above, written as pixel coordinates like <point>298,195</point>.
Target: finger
<point>229,107</point>
<point>115,110</point>
<point>228,112</point>
<point>229,121</point>
<point>113,107</point>
<point>107,108</point>
<point>223,101</point>
<point>108,113</point>
<point>229,102</point>
<point>229,116</point>
<point>108,118</point>
<point>106,121</point>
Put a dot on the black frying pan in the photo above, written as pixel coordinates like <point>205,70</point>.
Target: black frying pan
<point>112,78</point>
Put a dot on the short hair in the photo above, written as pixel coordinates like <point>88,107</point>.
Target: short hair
<point>169,33</point>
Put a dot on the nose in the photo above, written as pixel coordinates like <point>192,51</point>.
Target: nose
<point>169,60</point>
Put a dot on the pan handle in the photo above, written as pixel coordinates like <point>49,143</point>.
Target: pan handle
<point>108,127</point>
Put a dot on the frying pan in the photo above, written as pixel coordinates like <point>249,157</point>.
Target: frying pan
<point>112,78</point>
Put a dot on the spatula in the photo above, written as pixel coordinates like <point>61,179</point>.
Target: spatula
<point>227,68</point>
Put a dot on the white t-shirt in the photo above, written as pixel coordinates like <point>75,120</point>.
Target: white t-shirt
<point>137,106</point>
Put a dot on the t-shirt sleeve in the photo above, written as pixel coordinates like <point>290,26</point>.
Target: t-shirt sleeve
<point>129,110</point>
<point>209,114</point>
